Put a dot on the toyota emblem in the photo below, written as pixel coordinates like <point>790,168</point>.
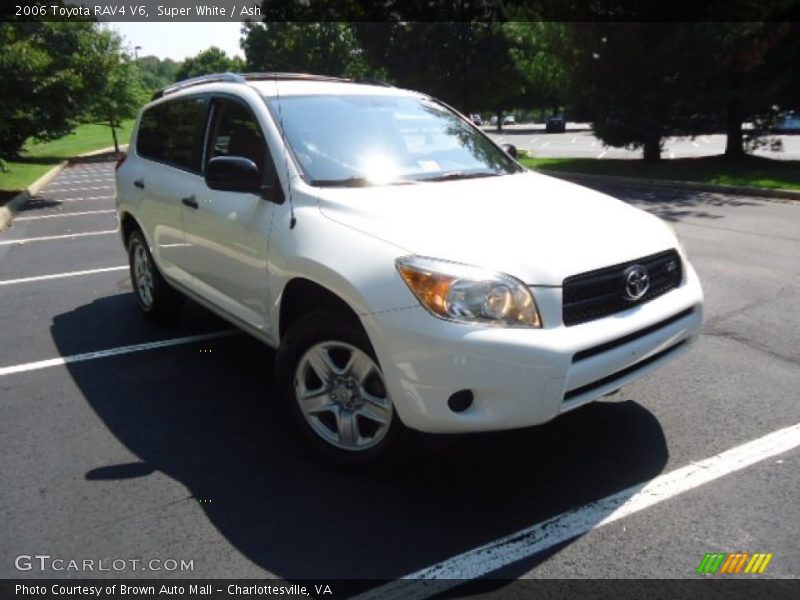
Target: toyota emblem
<point>637,282</point>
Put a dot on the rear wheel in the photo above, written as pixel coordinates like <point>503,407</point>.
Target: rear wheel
<point>334,388</point>
<point>156,299</point>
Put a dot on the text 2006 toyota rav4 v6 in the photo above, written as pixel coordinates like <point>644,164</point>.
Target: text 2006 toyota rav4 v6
<point>409,272</point>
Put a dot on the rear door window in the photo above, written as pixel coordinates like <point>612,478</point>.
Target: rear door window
<point>173,133</point>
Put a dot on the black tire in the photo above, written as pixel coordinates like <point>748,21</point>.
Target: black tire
<point>309,333</point>
<point>157,300</point>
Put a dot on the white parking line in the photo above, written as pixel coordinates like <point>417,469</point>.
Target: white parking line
<point>63,360</point>
<point>568,525</point>
<point>672,155</point>
<point>83,174</point>
<point>86,189</point>
<point>49,238</point>
<point>572,141</point>
<point>79,181</point>
<point>695,144</point>
<point>602,154</point>
<point>60,275</point>
<point>81,199</point>
<point>79,213</point>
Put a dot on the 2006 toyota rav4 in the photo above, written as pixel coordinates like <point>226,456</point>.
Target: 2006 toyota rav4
<point>410,273</point>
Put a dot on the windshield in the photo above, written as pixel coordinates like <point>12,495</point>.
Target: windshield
<point>370,140</point>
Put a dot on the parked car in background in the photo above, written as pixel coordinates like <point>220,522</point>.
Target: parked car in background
<point>788,123</point>
<point>476,118</point>
<point>509,120</point>
<point>408,272</point>
<point>555,124</point>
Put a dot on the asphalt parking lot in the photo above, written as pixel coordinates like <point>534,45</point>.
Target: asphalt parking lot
<point>125,440</point>
<point>579,142</point>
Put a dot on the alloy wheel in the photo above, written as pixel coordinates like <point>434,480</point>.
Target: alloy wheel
<point>342,395</point>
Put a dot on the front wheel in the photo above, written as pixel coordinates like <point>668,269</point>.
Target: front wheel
<point>334,387</point>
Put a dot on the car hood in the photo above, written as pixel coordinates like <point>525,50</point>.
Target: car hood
<point>537,228</point>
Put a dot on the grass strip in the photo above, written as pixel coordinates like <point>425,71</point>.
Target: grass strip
<point>38,158</point>
<point>750,171</point>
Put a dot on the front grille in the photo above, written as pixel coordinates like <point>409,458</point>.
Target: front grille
<point>597,294</point>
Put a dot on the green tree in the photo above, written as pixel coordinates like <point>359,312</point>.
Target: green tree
<point>643,80</point>
<point>533,48</point>
<point>637,79</point>
<point>122,92</point>
<point>462,58</point>
<point>157,73</point>
<point>210,60</point>
<point>466,64</point>
<point>320,48</point>
<point>49,73</point>
<point>745,75</point>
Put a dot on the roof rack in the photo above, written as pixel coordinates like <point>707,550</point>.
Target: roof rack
<point>214,77</point>
<point>293,77</point>
<point>245,77</point>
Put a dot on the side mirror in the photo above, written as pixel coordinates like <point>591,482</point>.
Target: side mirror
<point>510,149</point>
<point>233,174</point>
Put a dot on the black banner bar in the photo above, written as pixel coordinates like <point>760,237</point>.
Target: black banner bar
<point>705,587</point>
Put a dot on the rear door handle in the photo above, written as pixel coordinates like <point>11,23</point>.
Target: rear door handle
<point>139,183</point>
<point>190,202</point>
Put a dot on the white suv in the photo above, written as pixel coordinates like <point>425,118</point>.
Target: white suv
<point>409,272</point>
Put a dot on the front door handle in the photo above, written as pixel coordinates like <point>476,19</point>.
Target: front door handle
<point>139,183</point>
<point>190,202</point>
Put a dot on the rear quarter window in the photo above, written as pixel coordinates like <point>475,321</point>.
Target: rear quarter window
<point>173,132</point>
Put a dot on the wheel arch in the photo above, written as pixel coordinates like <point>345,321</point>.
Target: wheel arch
<point>302,296</point>
<point>127,225</point>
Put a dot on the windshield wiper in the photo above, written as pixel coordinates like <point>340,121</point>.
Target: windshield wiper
<point>453,175</point>
<point>356,182</point>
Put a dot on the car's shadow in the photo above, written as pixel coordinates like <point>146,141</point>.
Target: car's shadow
<point>203,414</point>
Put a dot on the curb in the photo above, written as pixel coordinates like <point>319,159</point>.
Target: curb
<point>790,196</point>
<point>10,208</point>
<point>106,150</point>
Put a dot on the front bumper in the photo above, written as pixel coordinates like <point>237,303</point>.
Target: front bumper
<point>523,377</point>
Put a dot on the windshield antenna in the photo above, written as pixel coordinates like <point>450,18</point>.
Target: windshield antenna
<point>292,219</point>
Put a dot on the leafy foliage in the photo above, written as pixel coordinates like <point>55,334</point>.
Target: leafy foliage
<point>157,73</point>
<point>320,48</point>
<point>467,64</point>
<point>50,72</point>
<point>122,92</point>
<point>210,60</point>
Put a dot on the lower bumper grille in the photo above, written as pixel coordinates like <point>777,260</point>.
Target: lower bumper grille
<point>622,373</point>
<point>599,349</point>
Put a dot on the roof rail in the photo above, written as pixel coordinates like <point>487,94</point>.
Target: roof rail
<point>245,77</point>
<point>292,77</point>
<point>186,83</point>
<point>311,77</point>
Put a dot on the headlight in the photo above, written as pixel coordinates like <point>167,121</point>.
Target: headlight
<point>463,293</point>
